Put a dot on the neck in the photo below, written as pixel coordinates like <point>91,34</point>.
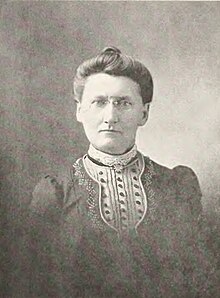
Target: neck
<point>113,154</point>
<point>110,159</point>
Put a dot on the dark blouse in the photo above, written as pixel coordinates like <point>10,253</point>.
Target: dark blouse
<point>73,253</point>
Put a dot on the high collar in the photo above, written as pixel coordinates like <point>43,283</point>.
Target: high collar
<point>116,161</point>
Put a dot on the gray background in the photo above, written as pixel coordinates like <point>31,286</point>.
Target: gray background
<point>41,45</point>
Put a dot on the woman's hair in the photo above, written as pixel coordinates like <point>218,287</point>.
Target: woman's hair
<point>111,61</point>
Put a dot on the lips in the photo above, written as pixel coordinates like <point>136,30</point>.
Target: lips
<point>109,130</point>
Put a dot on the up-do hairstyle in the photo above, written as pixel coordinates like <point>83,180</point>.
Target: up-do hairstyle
<point>111,61</point>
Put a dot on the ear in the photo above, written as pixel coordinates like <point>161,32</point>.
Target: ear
<point>78,112</point>
<point>145,114</point>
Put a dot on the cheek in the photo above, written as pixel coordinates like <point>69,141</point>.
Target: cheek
<point>131,121</point>
<point>89,120</point>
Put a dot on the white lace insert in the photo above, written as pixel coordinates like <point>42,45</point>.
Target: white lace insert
<point>116,161</point>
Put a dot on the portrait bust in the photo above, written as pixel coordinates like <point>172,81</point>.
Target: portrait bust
<point>116,223</point>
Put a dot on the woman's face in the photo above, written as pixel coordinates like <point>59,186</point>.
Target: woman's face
<point>111,109</point>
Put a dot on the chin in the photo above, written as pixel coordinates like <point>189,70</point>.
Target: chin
<point>110,148</point>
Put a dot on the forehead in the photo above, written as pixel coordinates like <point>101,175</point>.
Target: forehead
<point>102,84</point>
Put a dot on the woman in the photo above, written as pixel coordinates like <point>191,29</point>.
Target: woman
<point>117,224</point>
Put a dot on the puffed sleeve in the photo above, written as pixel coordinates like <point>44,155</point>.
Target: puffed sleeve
<point>45,278</point>
<point>47,199</point>
<point>188,190</point>
<point>200,264</point>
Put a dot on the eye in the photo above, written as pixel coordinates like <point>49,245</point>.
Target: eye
<point>99,102</point>
<point>126,103</point>
<point>122,103</point>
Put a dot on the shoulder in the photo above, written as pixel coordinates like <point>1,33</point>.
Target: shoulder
<point>186,179</point>
<point>180,184</point>
<point>181,179</point>
<point>51,192</point>
<point>178,171</point>
<point>180,175</point>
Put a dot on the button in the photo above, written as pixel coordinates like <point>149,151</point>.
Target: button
<point>124,218</point>
<point>138,202</point>
<point>133,170</point>
<point>121,202</point>
<point>119,179</point>
<point>100,173</point>
<point>102,180</point>
<point>135,178</point>
<point>137,194</point>
<point>140,211</point>
<point>53,181</point>
<point>136,186</point>
<point>107,212</point>
<point>119,185</point>
<point>122,194</point>
<point>123,210</point>
<point>105,205</point>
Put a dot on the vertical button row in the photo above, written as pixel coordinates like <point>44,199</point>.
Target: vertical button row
<point>138,196</point>
<point>122,200</point>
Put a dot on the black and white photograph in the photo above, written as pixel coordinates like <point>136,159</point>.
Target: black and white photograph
<point>110,149</point>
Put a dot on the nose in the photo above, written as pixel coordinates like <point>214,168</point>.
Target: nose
<point>110,114</point>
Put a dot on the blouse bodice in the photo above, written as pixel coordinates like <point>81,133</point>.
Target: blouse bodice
<point>119,233</point>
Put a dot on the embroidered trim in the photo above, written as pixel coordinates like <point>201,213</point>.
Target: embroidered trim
<point>91,203</point>
<point>144,193</point>
<point>147,181</point>
<point>100,194</point>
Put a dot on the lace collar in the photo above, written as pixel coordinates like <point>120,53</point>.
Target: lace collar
<point>115,161</point>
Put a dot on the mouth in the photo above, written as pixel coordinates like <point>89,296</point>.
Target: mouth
<point>109,131</point>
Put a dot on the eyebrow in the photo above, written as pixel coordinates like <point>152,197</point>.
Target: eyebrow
<point>101,97</point>
<point>121,98</point>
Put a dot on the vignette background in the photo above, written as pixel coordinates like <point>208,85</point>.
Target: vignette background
<point>41,45</point>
